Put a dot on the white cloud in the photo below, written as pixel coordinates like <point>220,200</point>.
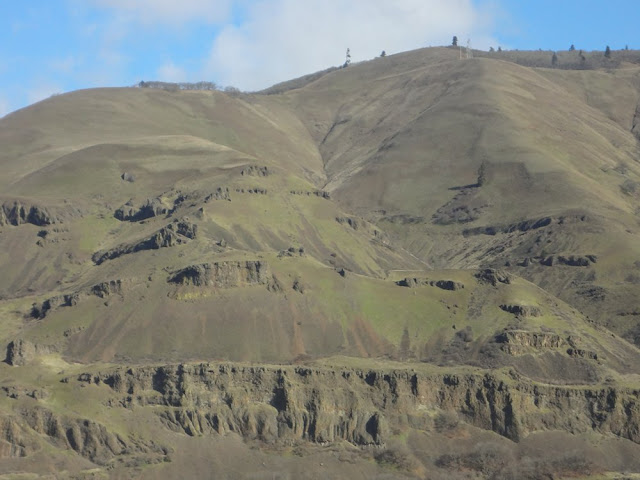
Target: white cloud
<point>282,39</point>
<point>171,12</point>
<point>169,72</point>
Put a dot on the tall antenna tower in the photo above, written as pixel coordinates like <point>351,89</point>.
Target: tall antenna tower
<point>347,61</point>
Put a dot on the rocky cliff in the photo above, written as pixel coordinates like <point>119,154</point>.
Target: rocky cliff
<point>16,213</point>
<point>20,352</point>
<point>288,403</point>
<point>85,437</point>
<point>223,274</point>
<point>176,233</point>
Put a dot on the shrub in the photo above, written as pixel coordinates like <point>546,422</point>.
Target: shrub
<point>488,458</point>
<point>629,187</point>
<point>399,456</point>
<point>446,421</point>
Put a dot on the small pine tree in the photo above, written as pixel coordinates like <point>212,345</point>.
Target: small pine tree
<point>499,49</point>
<point>572,48</point>
<point>491,49</point>
<point>626,47</point>
<point>383,54</point>
<point>554,59</point>
<point>607,52</point>
<point>454,42</point>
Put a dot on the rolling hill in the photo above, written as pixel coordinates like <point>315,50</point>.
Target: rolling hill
<point>362,266</point>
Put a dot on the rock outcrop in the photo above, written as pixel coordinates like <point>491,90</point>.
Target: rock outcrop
<point>519,342</point>
<point>555,260</point>
<point>66,300</point>
<point>525,225</point>
<point>298,285</point>
<point>522,310</point>
<point>254,190</point>
<point>21,352</point>
<point>290,403</point>
<point>352,222</point>
<point>106,289</point>
<point>413,282</point>
<point>581,353</point>
<point>221,193</point>
<point>403,219</point>
<point>14,441</point>
<point>493,277</point>
<point>291,252</point>
<point>317,193</point>
<point>20,436</point>
<point>176,233</point>
<point>224,274</point>
<point>571,260</point>
<point>149,209</point>
<point>16,213</point>
<point>15,392</point>
<point>88,438</point>
<point>463,208</point>
<point>255,171</point>
<point>102,290</point>
<point>168,204</point>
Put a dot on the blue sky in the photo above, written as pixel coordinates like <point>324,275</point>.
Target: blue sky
<point>56,46</point>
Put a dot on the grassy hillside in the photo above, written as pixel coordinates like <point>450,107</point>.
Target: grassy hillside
<point>467,227</point>
<point>433,162</point>
<point>435,150</point>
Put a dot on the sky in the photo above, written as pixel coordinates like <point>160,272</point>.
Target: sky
<point>49,47</point>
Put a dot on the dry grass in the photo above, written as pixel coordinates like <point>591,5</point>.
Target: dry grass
<point>397,142</point>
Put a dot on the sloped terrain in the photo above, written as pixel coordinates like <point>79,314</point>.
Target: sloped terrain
<point>489,163</point>
<point>413,267</point>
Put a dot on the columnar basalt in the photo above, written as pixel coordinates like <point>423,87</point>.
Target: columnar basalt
<point>326,405</point>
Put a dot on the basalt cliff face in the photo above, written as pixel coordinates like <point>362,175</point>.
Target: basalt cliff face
<point>413,267</point>
<point>363,407</point>
<point>311,408</point>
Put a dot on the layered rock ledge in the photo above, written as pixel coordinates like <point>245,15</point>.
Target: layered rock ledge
<point>320,404</point>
